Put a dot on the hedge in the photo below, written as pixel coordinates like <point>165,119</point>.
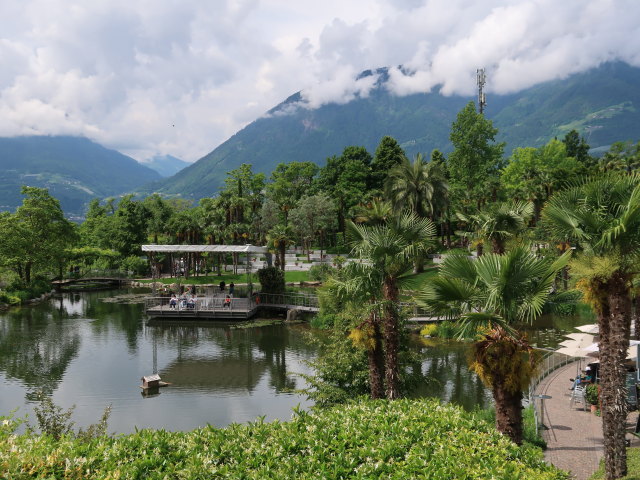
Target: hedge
<point>366,439</point>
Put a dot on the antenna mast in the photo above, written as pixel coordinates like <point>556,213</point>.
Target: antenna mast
<point>482,99</point>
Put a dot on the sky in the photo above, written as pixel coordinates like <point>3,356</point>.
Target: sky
<point>179,77</point>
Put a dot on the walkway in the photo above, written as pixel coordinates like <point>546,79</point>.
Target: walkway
<point>573,436</point>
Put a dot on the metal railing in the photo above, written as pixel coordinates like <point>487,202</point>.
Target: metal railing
<point>295,299</point>
<point>550,362</point>
<point>165,305</point>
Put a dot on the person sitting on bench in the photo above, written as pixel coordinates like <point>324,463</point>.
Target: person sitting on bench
<point>227,302</point>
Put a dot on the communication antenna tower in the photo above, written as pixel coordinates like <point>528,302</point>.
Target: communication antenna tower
<point>482,99</point>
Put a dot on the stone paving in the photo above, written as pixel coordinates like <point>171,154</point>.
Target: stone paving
<point>573,436</point>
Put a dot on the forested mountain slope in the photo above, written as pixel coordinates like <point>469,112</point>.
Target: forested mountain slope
<point>74,170</point>
<point>603,104</point>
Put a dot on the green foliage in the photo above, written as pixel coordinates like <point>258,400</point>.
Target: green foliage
<point>54,421</point>
<point>447,329</point>
<point>429,330</point>
<point>136,265</point>
<point>476,158</point>
<point>388,155</point>
<point>271,280</point>
<point>319,273</point>
<point>592,394</point>
<point>366,439</point>
<point>9,299</point>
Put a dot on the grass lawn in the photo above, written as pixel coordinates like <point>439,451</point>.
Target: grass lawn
<point>228,278</point>
<point>633,466</point>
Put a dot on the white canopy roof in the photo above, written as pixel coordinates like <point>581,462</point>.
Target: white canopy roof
<point>205,248</point>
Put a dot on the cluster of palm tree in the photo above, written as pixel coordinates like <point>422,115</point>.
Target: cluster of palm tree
<point>599,218</point>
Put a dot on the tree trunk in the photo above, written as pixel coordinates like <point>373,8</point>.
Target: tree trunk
<point>497,246</point>
<point>614,323</point>
<point>376,361</point>
<point>418,264</point>
<point>391,338</point>
<point>508,412</point>
<point>479,248</point>
<point>27,273</point>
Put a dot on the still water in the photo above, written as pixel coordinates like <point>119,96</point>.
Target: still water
<point>86,350</point>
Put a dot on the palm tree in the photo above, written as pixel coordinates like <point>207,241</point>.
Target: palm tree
<point>390,248</point>
<point>279,238</point>
<point>375,212</point>
<point>417,186</point>
<point>360,286</point>
<point>489,295</point>
<point>497,223</point>
<point>601,218</point>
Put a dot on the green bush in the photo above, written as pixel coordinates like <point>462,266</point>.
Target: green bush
<point>446,329</point>
<point>137,265</point>
<point>9,299</point>
<point>271,280</point>
<point>319,273</point>
<point>429,330</point>
<point>591,394</point>
<point>366,439</point>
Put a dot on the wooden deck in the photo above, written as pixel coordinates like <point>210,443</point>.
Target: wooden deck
<point>242,308</point>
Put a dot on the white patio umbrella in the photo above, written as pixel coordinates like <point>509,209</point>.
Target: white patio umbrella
<point>581,337</point>
<point>580,340</point>
<point>591,328</point>
<point>573,352</point>
<point>594,347</point>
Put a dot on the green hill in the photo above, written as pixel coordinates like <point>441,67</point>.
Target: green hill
<point>601,103</point>
<point>74,170</point>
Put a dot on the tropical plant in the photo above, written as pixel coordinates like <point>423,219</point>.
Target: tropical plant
<point>279,238</point>
<point>390,249</point>
<point>489,295</point>
<point>498,222</point>
<point>416,186</point>
<point>601,218</point>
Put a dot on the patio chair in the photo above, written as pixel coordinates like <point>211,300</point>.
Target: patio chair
<point>578,396</point>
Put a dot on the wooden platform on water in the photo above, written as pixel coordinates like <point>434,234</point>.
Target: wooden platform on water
<point>213,308</point>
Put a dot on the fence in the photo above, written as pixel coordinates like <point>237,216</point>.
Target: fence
<point>295,299</point>
<point>550,362</point>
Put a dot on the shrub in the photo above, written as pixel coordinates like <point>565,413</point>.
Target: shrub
<point>591,394</point>
<point>271,280</point>
<point>9,299</point>
<point>446,329</point>
<point>56,422</point>
<point>429,330</point>
<point>137,265</point>
<point>320,273</point>
<point>364,439</point>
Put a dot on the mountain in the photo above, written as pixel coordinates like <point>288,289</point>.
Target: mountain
<point>74,169</point>
<point>603,104</point>
<point>165,165</point>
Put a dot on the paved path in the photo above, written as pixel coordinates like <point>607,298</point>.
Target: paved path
<point>573,436</point>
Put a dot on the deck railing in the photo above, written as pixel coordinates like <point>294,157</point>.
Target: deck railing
<point>550,362</point>
<point>295,299</point>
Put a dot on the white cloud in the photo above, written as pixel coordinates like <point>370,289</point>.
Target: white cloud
<point>180,77</point>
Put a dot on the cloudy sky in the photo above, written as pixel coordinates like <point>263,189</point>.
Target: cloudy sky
<point>180,76</point>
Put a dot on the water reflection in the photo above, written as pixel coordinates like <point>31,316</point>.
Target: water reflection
<point>83,349</point>
<point>37,346</point>
<point>446,374</point>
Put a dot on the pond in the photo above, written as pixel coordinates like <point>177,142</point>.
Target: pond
<point>91,350</point>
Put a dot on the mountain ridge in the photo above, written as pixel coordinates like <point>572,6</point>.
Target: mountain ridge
<point>74,169</point>
<point>602,103</point>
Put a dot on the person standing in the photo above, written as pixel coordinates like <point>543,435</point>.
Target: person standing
<point>231,288</point>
